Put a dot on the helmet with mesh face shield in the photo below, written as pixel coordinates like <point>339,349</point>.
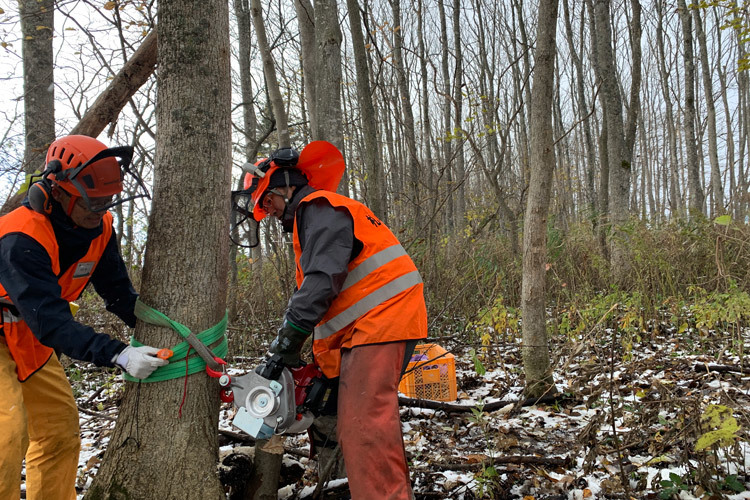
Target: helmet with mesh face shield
<point>84,167</point>
<point>320,163</point>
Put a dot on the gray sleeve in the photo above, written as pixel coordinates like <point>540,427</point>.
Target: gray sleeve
<point>327,239</point>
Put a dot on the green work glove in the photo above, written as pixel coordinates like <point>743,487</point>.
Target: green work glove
<point>288,343</point>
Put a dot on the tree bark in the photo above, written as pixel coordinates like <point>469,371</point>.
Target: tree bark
<point>695,186</point>
<point>165,442</point>
<point>374,194</point>
<point>675,202</point>
<point>406,110</point>
<point>717,191</point>
<point>619,167</point>
<point>533,296</point>
<point>269,71</point>
<point>37,27</point>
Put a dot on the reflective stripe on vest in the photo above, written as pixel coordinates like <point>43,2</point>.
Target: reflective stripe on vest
<point>9,317</point>
<point>373,262</point>
<point>385,292</point>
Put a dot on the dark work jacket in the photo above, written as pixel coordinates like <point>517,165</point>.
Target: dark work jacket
<point>32,286</point>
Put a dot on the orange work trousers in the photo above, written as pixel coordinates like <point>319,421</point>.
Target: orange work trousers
<point>369,424</point>
<point>38,422</point>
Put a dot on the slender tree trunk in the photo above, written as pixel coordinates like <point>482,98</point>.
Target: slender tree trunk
<point>533,297</point>
<point>675,204</point>
<point>249,131</point>
<point>406,110</point>
<point>619,168</point>
<point>458,89</point>
<point>269,71</point>
<point>306,24</point>
<point>717,191</point>
<point>328,77</point>
<point>371,154</point>
<point>162,446</point>
<point>427,127</point>
<point>691,147</point>
<point>729,126</point>
<point>447,108</point>
<point>37,27</point>
<point>590,163</point>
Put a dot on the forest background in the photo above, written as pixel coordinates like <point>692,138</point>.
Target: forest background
<point>616,211</point>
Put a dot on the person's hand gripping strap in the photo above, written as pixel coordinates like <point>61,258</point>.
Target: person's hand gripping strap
<point>140,361</point>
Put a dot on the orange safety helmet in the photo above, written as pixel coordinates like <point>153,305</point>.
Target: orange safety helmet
<point>84,168</point>
<point>87,167</point>
<point>320,162</point>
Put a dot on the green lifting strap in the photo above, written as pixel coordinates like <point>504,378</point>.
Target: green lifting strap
<point>176,366</point>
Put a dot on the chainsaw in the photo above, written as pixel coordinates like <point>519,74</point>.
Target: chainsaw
<point>276,399</point>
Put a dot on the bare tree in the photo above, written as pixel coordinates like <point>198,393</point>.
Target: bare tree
<point>717,192</point>
<point>619,168</point>
<point>37,27</point>
<point>695,186</point>
<point>165,443</point>
<point>371,154</point>
<point>533,297</point>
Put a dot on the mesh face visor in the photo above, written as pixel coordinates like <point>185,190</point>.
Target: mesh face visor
<point>90,181</point>
<point>244,227</point>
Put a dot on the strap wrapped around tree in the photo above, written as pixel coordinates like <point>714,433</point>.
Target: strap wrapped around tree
<point>176,367</point>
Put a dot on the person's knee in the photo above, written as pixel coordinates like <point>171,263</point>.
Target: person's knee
<point>14,436</point>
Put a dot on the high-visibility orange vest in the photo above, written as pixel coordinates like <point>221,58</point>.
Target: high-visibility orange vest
<point>382,299</point>
<point>28,353</point>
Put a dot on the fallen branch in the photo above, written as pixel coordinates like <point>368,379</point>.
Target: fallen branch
<point>97,414</point>
<point>487,407</point>
<point>518,460</point>
<point>708,368</point>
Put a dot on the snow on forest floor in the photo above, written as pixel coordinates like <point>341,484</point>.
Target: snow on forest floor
<point>627,428</point>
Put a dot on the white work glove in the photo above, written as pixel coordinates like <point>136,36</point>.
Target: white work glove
<point>139,362</point>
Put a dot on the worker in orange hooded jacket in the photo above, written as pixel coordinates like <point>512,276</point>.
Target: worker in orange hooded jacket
<point>360,296</point>
<point>54,245</point>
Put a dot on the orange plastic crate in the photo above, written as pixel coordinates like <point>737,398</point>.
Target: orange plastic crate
<point>431,374</point>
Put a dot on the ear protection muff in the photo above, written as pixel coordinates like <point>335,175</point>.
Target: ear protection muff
<point>40,192</point>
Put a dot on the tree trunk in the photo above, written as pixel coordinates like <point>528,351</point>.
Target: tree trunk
<point>533,297</point>
<point>165,442</point>
<point>458,101</point>
<point>328,77</point>
<point>695,187</point>
<point>590,164</point>
<point>306,26</point>
<point>675,204</point>
<point>446,132</point>
<point>619,168</point>
<point>717,192</point>
<point>406,110</point>
<point>374,194</point>
<point>37,27</point>
<point>249,131</point>
<point>269,71</point>
<point>729,125</point>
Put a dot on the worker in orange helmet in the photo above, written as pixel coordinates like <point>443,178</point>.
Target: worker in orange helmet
<point>360,296</point>
<point>51,247</point>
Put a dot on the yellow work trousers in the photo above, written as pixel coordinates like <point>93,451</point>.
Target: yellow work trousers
<point>38,422</point>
